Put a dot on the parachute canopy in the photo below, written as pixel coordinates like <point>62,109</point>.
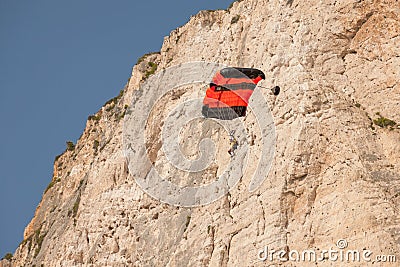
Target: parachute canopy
<point>229,92</point>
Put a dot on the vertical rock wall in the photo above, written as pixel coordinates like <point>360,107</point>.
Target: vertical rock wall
<point>335,173</point>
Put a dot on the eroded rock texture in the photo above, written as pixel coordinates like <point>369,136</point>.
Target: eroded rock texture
<point>335,173</point>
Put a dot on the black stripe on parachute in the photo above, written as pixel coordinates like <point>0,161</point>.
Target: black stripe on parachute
<point>224,113</point>
<point>241,73</point>
<point>233,87</point>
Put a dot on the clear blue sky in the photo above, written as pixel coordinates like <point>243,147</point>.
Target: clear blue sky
<point>59,62</point>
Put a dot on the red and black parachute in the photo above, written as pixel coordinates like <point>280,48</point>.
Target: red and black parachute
<point>229,92</point>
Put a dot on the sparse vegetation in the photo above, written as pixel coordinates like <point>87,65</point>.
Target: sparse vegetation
<point>122,115</point>
<point>142,58</point>
<point>115,99</point>
<point>153,67</point>
<point>235,19</point>
<point>37,238</point>
<point>96,144</point>
<point>70,146</point>
<point>383,122</point>
<point>76,206</point>
<point>29,241</point>
<point>358,105</point>
<point>95,117</point>
<point>52,183</point>
<point>57,157</point>
<point>39,241</point>
<point>110,107</point>
<point>74,211</point>
<point>8,257</point>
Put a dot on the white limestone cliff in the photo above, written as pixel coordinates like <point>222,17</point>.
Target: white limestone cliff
<point>335,173</point>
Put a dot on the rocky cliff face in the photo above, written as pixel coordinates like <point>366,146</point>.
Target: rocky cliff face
<point>335,173</point>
